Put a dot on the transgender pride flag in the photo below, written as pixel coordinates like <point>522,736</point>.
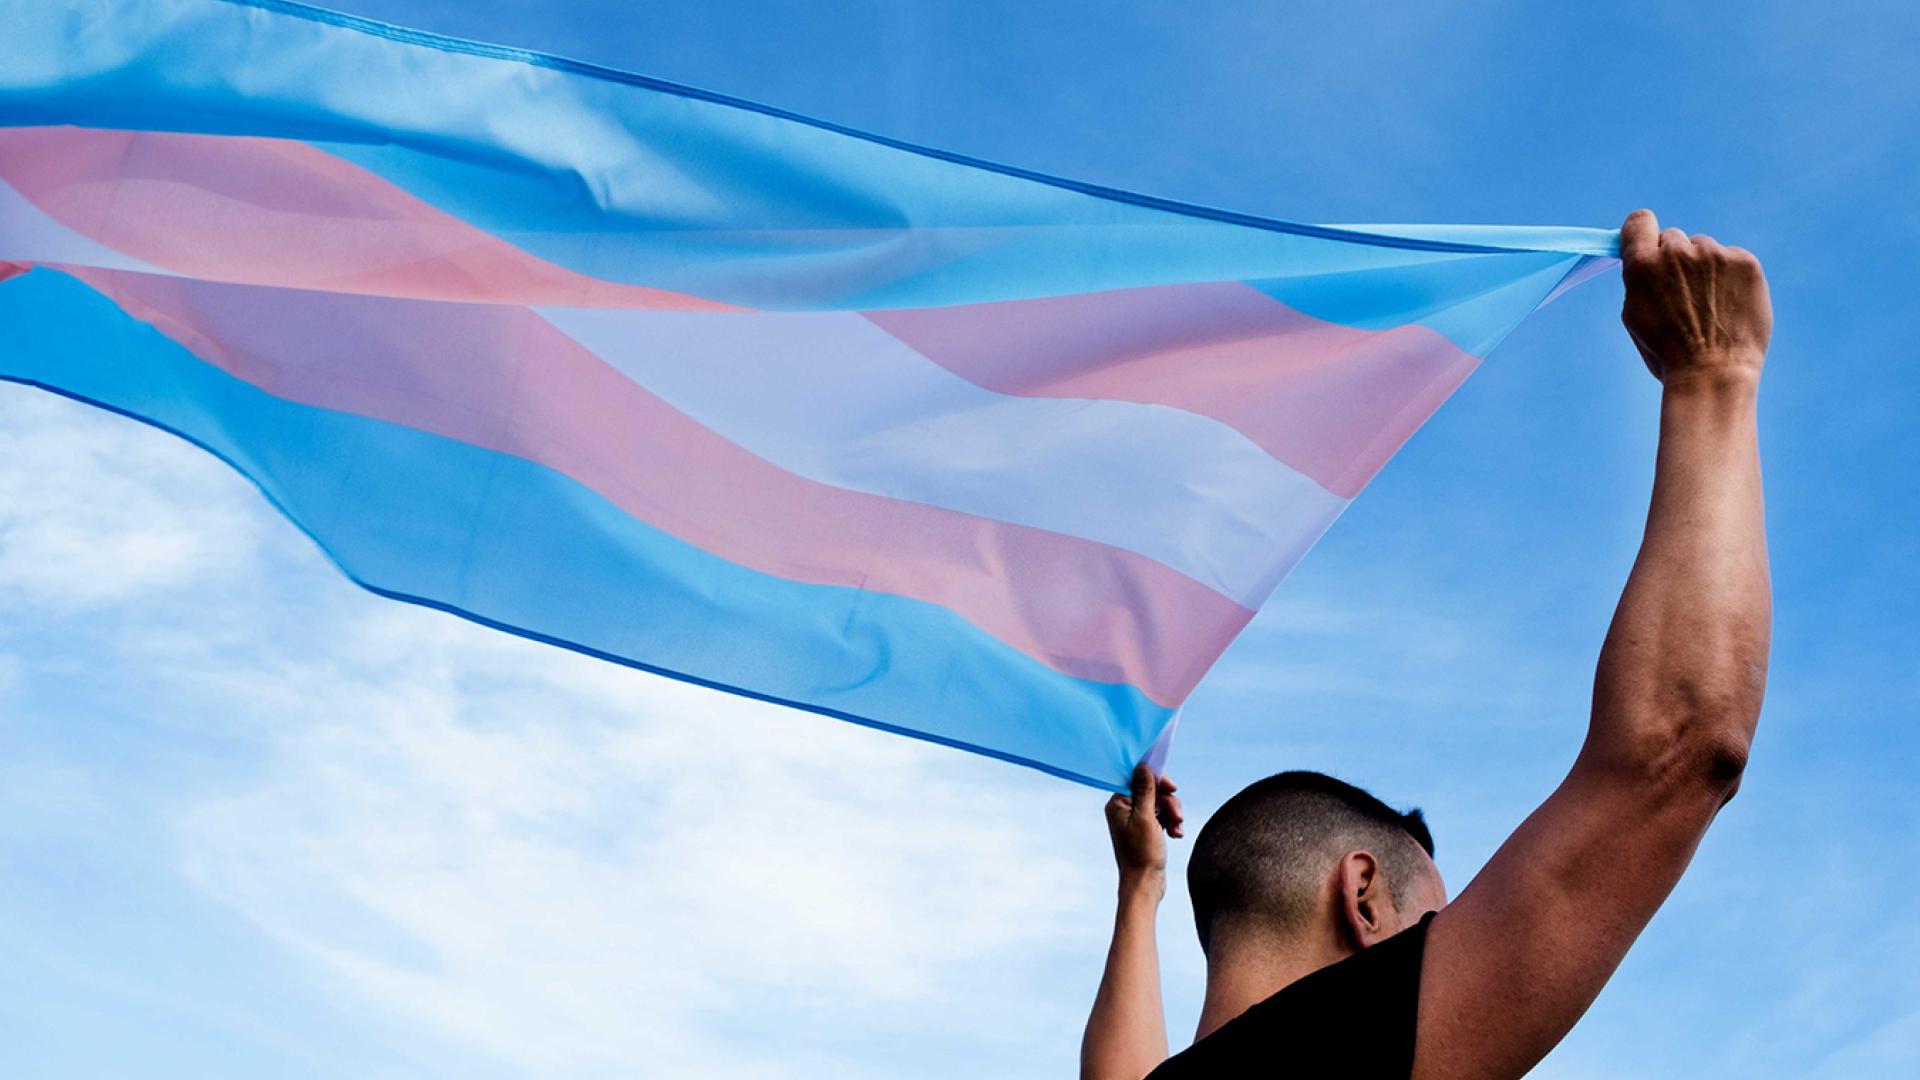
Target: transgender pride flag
<point>989,458</point>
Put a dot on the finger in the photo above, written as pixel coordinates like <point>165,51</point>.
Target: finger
<point>1674,242</point>
<point>1142,784</point>
<point>1704,242</point>
<point>1172,816</point>
<point>1639,236</point>
<point>1167,785</point>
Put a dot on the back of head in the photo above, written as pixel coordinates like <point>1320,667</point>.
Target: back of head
<point>1263,860</point>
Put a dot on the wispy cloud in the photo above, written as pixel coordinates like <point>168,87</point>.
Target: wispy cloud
<point>516,858</point>
<point>571,868</point>
<point>88,520</point>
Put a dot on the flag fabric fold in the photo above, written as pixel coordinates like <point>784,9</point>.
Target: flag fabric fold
<point>989,458</point>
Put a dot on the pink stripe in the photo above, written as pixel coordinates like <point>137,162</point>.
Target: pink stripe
<point>8,269</point>
<point>1329,400</point>
<point>276,212</point>
<point>501,377</point>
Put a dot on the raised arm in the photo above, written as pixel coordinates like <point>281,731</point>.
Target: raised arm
<point>1126,1034</point>
<point>1514,962</point>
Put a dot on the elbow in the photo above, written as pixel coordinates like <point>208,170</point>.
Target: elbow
<point>1705,759</point>
<point>1699,749</point>
<point>1690,767</point>
<point>1683,734</point>
<point>1718,761</point>
<point>1717,735</point>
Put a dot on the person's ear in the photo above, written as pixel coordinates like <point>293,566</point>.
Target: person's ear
<point>1367,914</point>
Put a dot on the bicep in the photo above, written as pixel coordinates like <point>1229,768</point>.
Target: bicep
<point>1517,958</point>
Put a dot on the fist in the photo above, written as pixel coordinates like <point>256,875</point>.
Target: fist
<point>1695,308</point>
<point>1136,820</point>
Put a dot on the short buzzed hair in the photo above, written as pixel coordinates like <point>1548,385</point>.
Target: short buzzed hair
<point>1262,858</point>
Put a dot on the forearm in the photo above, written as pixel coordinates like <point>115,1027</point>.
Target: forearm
<point>1126,1035</point>
<point>1684,666</point>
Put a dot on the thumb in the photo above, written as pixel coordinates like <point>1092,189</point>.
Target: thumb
<point>1143,785</point>
<point>1639,235</point>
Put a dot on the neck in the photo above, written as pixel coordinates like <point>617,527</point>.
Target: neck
<point>1247,969</point>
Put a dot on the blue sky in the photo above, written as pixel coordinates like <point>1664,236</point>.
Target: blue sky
<point>255,822</point>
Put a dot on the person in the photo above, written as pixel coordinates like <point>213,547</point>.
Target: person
<point>1331,946</point>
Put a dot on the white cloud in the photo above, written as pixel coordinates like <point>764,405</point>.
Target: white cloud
<point>576,869</point>
<point>95,510</point>
<point>522,858</point>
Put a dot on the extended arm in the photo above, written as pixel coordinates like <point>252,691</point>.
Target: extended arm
<point>1515,961</point>
<point>1126,1034</point>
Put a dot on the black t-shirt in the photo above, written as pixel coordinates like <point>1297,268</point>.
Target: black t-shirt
<point>1353,1020</point>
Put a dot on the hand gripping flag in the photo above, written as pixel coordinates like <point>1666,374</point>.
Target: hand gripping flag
<point>990,458</point>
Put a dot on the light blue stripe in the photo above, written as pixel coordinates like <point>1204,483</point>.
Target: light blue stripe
<point>635,181</point>
<point>1472,301</point>
<point>517,546</point>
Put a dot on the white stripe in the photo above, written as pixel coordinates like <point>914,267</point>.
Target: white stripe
<point>27,234</point>
<point>833,398</point>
